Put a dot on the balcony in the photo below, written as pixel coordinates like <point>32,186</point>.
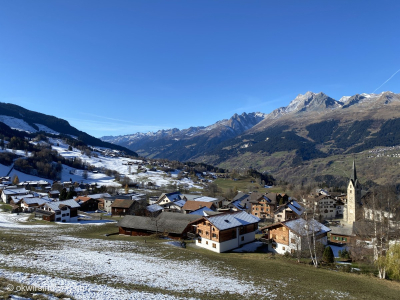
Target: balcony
<point>266,240</point>
<point>192,235</point>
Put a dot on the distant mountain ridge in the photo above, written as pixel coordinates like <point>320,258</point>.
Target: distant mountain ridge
<point>312,126</point>
<point>26,121</point>
<point>186,143</point>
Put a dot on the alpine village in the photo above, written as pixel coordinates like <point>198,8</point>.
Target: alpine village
<point>101,216</point>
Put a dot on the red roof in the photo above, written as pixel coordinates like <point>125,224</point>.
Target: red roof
<point>195,205</point>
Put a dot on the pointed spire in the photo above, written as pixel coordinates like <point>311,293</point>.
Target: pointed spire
<point>354,173</point>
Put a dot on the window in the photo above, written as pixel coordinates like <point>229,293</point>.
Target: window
<point>58,219</point>
<point>206,232</point>
<point>242,238</point>
<point>255,214</point>
<point>283,238</point>
<point>214,245</point>
<point>292,241</point>
<point>274,246</point>
<point>274,236</point>
<point>214,235</point>
<point>206,242</point>
<point>199,241</point>
<point>199,231</point>
<point>283,248</point>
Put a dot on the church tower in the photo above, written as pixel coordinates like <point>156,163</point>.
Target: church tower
<point>353,196</point>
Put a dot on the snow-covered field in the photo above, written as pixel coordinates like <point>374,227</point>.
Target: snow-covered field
<point>70,259</point>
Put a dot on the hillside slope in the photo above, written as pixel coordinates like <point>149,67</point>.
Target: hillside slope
<point>27,121</point>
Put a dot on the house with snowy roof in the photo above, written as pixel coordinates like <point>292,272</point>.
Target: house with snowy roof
<point>288,211</point>
<point>29,204</point>
<point>226,231</point>
<point>153,210</point>
<point>37,184</point>
<point>168,197</point>
<point>240,202</point>
<point>216,201</point>
<point>8,192</point>
<point>59,211</point>
<point>203,211</point>
<point>294,235</point>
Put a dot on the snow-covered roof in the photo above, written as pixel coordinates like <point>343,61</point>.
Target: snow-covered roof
<point>231,220</point>
<point>38,201</point>
<point>154,208</point>
<point>40,182</point>
<point>15,191</point>
<point>179,203</point>
<point>190,196</point>
<point>200,211</point>
<point>206,199</point>
<point>296,207</point>
<point>97,196</point>
<point>301,226</point>
<point>56,204</point>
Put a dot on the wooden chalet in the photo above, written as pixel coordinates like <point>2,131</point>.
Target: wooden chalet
<point>225,231</point>
<point>169,224</point>
<point>87,203</point>
<point>288,211</point>
<point>122,207</point>
<point>293,235</point>
<point>263,206</point>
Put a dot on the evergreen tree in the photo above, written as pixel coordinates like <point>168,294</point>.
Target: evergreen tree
<point>71,193</point>
<point>63,194</point>
<point>328,256</point>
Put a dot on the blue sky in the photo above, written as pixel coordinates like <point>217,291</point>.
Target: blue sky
<point>120,67</point>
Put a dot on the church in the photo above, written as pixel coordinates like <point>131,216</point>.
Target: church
<point>351,213</point>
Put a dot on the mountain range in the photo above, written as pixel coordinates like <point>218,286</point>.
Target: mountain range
<point>313,126</point>
<point>309,136</point>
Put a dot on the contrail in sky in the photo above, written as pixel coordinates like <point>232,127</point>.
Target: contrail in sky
<point>386,81</point>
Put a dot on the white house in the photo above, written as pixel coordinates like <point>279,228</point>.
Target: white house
<point>12,191</point>
<point>30,204</point>
<point>294,235</point>
<point>226,231</point>
<point>65,211</point>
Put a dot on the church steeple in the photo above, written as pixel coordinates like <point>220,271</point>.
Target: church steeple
<point>353,196</point>
<point>353,176</point>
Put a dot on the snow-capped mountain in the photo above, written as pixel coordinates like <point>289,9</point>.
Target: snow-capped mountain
<point>284,129</point>
<point>192,141</point>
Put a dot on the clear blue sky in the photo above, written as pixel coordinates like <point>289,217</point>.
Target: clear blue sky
<point>120,67</point>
